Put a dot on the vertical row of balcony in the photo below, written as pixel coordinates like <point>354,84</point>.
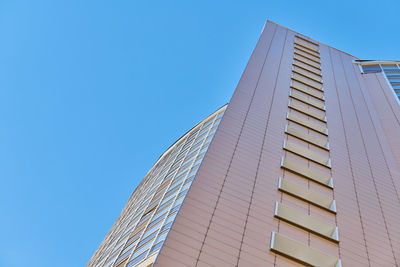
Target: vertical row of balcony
<point>307,159</point>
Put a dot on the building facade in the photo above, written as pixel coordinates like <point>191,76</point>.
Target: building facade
<point>390,68</point>
<point>141,229</point>
<point>301,168</point>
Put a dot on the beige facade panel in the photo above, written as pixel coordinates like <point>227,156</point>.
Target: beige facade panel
<point>306,60</point>
<point>307,46</point>
<point>307,195</point>
<point>306,153</point>
<point>122,263</point>
<point>306,54</point>
<point>320,115</point>
<point>307,67</point>
<point>303,81</point>
<point>306,172</point>
<point>148,262</point>
<point>299,46</point>
<point>324,144</point>
<point>307,81</point>
<point>307,90</point>
<point>306,123</point>
<point>307,40</point>
<point>307,73</point>
<point>301,253</point>
<point>317,104</point>
<point>306,222</point>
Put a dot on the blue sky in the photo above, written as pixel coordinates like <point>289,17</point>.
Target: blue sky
<point>92,92</point>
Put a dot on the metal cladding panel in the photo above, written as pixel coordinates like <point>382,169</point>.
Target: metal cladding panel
<point>364,181</point>
<point>244,147</point>
<point>228,215</point>
<point>387,112</point>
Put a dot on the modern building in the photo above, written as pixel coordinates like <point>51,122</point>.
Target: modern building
<point>302,167</point>
<point>390,68</point>
<point>144,223</point>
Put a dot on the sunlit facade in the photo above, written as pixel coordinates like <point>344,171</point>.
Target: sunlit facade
<point>304,170</point>
<point>140,231</point>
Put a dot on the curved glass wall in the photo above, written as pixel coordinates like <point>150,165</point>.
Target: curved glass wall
<point>140,231</point>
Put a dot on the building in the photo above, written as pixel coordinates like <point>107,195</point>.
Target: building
<point>144,223</point>
<point>390,68</point>
<point>262,182</point>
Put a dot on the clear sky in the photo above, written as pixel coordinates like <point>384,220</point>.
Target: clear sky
<point>92,92</point>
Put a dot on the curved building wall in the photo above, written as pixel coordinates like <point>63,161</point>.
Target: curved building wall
<point>139,233</point>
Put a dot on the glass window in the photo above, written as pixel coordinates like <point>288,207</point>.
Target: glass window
<point>148,238</point>
<point>207,124</point>
<point>113,255</point>
<point>187,181</point>
<point>175,209</point>
<point>122,257</point>
<point>145,217</point>
<point>165,227</point>
<point>371,68</point>
<point>165,205</point>
<point>170,218</point>
<point>181,174</point>
<point>183,192</point>
<point>160,192</point>
<point>152,206</point>
<point>156,247</point>
<point>173,189</point>
<point>389,67</point>
<point>161,237</point>
<point>169,198</point>
<point>183,167</point>
<point>195,167</point>
<point>157,220</point>
<point>128,248</point>
<point>137,259</point>
<point>179,201</point>
<point>136,224</point>
<point>135,237</point>
<point>392,73</point>
<point>191,155</point>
